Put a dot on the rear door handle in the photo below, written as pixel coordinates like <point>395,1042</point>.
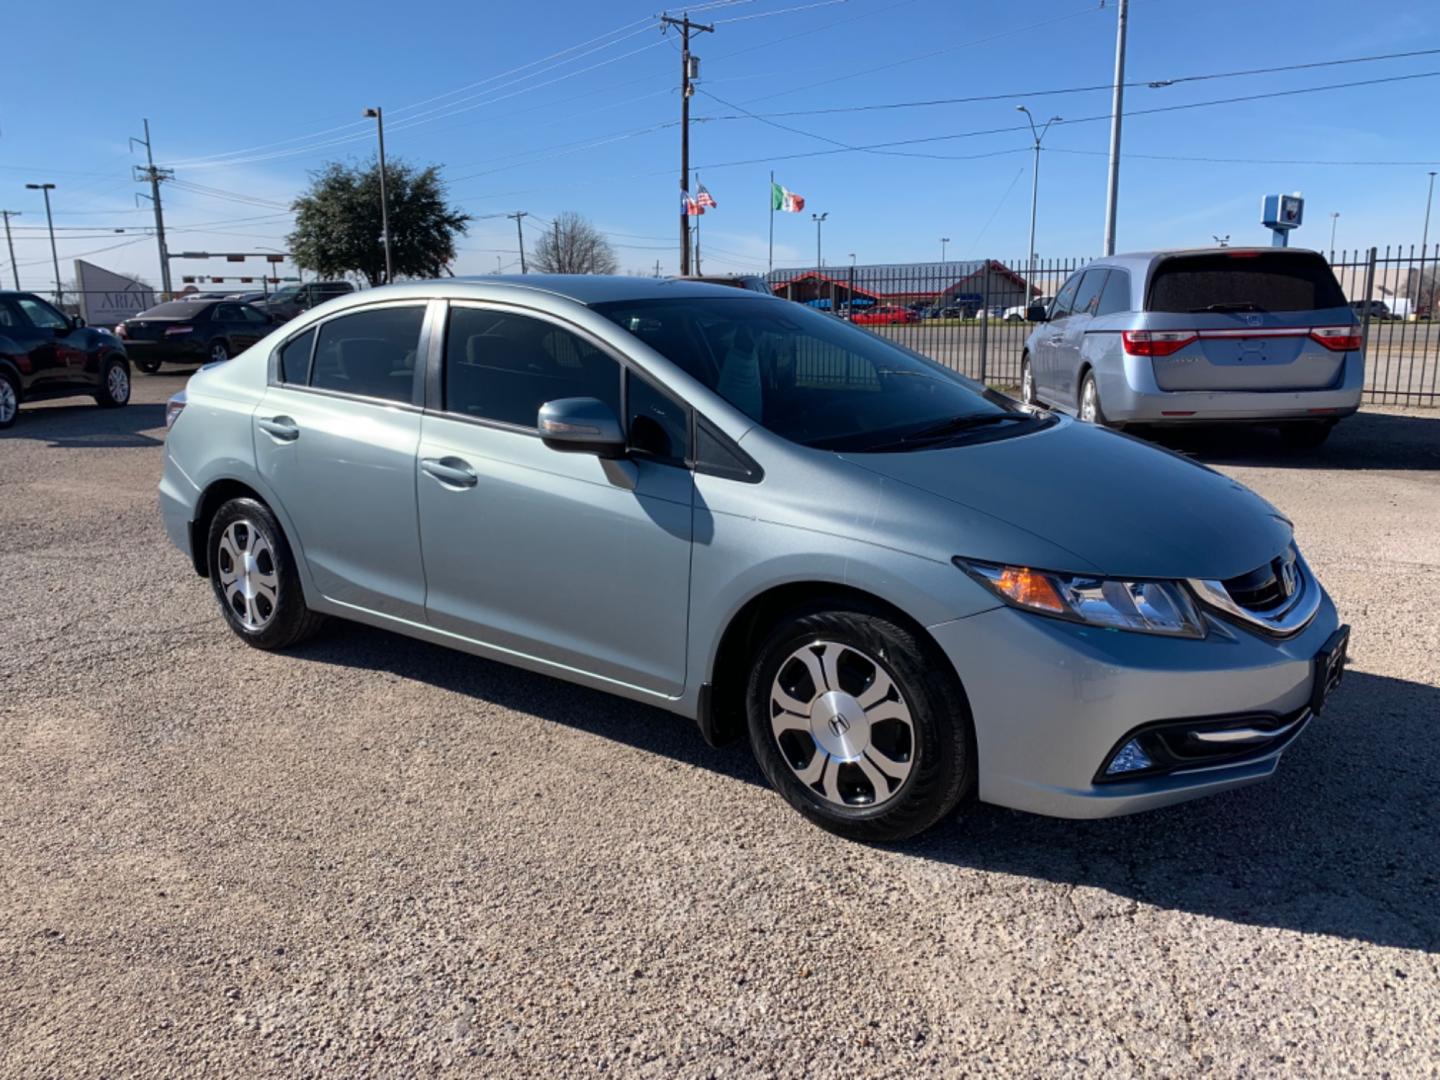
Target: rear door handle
<point>450,471</point>
<point>280,427</point>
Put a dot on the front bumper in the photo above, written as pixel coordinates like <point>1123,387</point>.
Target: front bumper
<point>1051,701</point>
<point>1133,396</point>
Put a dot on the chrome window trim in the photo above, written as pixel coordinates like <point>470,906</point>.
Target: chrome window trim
<point>1284,622</point>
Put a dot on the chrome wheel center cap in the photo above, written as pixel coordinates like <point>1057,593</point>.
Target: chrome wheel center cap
<point>839,725</point>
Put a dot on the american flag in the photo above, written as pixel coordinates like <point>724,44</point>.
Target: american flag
<point>706,199</point>
<point>692,207</point>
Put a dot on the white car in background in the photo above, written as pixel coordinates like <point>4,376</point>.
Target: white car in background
<point>1017,313</point>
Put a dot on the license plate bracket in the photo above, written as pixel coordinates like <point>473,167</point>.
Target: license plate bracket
<point>1329,667</point>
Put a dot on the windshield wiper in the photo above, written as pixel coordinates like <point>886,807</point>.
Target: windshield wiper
<point>1235,305</point>
<point>953,426</point>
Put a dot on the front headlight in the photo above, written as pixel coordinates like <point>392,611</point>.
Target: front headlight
<point>1150,607</point>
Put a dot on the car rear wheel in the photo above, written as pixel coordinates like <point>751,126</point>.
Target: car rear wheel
<point>1090,410</point>
<point>1307,434</point>
<point>858,723</point>
<point>149,367</point>
<point>9,399</point>
<point>114,384</point>
<point>219,351</point>
<point>253,573</point>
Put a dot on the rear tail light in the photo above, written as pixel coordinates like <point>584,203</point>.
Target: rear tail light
<point>120,331</point>
<point>1156,342</point>
<point>176,331</point>
<point>1337,338</point>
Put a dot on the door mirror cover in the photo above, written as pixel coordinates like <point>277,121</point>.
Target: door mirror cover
<point>581,425</point>
<point>1035,313</point>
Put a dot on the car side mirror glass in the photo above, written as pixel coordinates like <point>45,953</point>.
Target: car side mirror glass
<point>1035,313</point>
<point>581,425</point>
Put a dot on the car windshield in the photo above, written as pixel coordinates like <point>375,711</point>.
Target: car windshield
<point>1243,280</point>
<point>174,309</point>
<point>813,379</point>
<point>287,293</point>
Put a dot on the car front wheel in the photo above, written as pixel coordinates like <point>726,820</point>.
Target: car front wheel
<point>253,573</point>
<point>114,384</point>
<point>219,352</point>
<point>1027,383</point>
<point>149,367</point>
<point>9,399</point>
<point>859,723</point>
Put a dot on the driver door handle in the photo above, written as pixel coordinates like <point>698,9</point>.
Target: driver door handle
<point>280,427</point>
<point>450,471</point>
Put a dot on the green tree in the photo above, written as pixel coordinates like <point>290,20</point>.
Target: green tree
<point>338,231</point>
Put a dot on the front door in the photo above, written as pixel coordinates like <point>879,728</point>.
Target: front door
<point>335,438</point>
<point>1066,345</point>
<point>51,351</point>
<point>581,563</point>
<point>1049,337</point>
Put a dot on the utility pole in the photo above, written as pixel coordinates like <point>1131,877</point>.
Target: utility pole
<point>559,266</point>
<point>1034,197</point>
<point>819,220</point>
<point>1425,237</point>
<point>14,266</point>
<point>1117,109</point>
<point>379,116</point>
<point>689,72</point>
<point>520,233</point>
<point>50,221</point>
<point>155,176</point>
<point>943,241</point>
<point>1334,220</point>
<point>1424,242</point>
<point>657,268</point>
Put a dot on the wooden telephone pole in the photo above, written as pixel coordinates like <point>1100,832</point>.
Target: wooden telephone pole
<point>689,70</point>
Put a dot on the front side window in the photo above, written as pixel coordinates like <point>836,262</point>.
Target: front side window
<point>370,353</point>
<point>503,366</point>
<point>1087,297</point>
<point>658,425</point>
<point>811,378</point>
<point>42,314</point>
<point>1065,298</point>
<point>251,315</point>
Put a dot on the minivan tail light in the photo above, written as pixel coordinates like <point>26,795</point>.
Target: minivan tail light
<point>1156,342</point>
<point>1337,338</point>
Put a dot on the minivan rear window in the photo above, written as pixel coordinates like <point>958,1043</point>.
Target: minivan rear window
<point>1244,281</point>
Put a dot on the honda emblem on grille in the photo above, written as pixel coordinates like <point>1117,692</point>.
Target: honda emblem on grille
<point>1287,577</point>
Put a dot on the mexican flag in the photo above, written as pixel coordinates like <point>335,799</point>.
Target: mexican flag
<point>785,199</point>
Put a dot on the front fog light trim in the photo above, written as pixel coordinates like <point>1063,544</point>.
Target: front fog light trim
<point>1130,758</point>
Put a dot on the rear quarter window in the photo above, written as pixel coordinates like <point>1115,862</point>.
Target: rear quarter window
<point>1244,281</point>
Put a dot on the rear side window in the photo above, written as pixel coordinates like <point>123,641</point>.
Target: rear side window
<point>370,353</point>
<point>1276,280</point>
<point>1116,297</point>
<point>295,359</point>
<point>1087,297</point>
<point>504,366</point>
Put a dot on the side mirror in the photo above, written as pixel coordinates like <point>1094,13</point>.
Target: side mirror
<point>581,425</point>
<point>77,321</point>
<point>1035,313</point>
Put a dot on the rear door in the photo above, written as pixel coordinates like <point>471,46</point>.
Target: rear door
<point>1254,314</point>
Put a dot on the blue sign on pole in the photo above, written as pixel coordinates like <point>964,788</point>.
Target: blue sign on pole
<point>1280,214</point>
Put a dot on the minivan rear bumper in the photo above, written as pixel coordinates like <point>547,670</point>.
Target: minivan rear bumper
<point>1134,397</point>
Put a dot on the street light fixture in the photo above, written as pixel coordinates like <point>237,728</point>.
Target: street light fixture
<point>943,241</point>
<point>379,115</point>
<point>819,220</point>
<point>1034,194</point>
<point>50,221</point>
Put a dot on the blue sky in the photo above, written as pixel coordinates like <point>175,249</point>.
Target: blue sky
<point>247,101</point>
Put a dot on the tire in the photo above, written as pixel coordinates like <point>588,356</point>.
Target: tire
<point>917,740</point>
<point>149,367</point>
<point>114,384</point>
<point>1307,434</point>
<point>219,351</point>
<point>1090,392</point>
<point>1027,383</point>
<point>266,607</point>
<point>9,400</point>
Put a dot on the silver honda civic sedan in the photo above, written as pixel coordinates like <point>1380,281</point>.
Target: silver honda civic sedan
<point>904,588</point>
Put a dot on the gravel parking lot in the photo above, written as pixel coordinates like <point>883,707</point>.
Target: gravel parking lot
<point>373,856</point>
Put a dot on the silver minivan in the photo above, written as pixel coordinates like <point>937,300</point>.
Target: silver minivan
<point>1251,335</point>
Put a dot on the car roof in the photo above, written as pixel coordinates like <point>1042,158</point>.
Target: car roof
<point>585,289</point>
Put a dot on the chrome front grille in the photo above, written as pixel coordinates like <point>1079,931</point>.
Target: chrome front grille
<point>1279,598</point>
<point>1267,587</point>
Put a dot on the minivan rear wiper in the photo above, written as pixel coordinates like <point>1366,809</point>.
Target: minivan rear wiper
<point>1236,305</point>
<point>953,426</point>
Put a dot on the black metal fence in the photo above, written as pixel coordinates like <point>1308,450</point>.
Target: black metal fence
<point>969,315</point>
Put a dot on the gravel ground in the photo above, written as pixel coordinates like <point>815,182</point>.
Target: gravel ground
<point>372,856</point>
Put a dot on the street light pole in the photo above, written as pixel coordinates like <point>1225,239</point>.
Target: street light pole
<point>1117,110</point>
<point>379,115</point>
<point>1334,217</point>
<point>1425,239</point>
<point>1034,197</point>
<point>50,221</point>
<point>819,220</point>
<point>943,241</point>
<point>14,266</point>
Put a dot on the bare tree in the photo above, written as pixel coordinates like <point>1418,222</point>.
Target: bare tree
<point>573,246</point>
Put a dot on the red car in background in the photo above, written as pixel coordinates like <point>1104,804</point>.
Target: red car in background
<point>884,316</point>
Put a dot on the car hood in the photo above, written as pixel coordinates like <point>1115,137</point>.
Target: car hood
<point>1119,505</point>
